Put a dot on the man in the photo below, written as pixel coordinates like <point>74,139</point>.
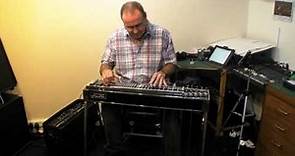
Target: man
<point>139,52</point>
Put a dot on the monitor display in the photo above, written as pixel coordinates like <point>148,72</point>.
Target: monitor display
<point>221,55</point>
<point>7,77</point>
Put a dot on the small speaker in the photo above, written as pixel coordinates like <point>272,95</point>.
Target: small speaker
<point>64,131</point>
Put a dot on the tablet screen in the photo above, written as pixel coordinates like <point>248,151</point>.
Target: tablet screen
<point>221,55</point>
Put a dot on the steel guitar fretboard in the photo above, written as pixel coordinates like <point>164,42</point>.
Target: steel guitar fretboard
<point>175,97</point>
<point>149,90</point>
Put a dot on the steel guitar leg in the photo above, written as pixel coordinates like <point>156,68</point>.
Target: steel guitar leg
<point>189,140</point>
<point>204,122</point>
<point>85,129</point>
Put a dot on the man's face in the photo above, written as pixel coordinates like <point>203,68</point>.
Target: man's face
<point>134,23</point>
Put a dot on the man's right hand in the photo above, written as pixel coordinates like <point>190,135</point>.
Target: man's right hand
<point>107,77</point>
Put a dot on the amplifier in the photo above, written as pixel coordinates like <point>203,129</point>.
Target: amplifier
<point>64,131</point>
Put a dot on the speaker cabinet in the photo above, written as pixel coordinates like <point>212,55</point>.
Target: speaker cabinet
<point>64,131</point>
<point>14,131</point>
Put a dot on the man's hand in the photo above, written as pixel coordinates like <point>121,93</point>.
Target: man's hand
<point>107,76</point>
<point>158,79</point>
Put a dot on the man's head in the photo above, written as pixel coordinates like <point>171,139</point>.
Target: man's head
<point>134,19</point>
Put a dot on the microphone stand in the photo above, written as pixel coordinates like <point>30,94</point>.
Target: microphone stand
<point>244,96</point>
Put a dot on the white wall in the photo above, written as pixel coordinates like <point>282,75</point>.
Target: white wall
<point>263,25</point>
<point>54,45</point>
<point>194,23</point>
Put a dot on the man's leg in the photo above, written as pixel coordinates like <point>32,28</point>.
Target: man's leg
<point>113,129</point>
<point>172,133</point>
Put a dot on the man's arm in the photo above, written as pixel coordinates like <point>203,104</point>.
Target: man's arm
<point>168,69</point>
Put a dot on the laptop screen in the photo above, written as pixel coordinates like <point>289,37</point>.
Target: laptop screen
<point>221,55</point>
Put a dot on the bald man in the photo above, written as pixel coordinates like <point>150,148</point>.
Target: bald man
<point>139,52</point>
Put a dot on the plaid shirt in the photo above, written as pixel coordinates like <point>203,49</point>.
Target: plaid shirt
<point>137,63</point>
